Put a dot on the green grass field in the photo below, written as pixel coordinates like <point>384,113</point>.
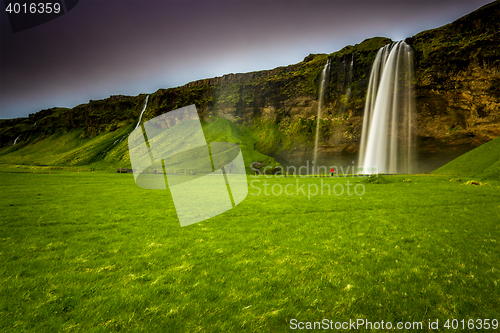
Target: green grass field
<point>93,252</point>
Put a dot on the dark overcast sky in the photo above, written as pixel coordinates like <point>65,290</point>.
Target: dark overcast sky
<point>103,48</point>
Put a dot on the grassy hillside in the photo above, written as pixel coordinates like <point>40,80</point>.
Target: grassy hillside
<point>109,150</point>
<point>482,162</point>
<point>223,130</point>
<point>72,148</point>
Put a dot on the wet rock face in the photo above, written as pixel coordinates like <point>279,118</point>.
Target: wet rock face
<point>457,69</point>
<point>470,112</point>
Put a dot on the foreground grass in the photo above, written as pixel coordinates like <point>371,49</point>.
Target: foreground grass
<point>92,252</point>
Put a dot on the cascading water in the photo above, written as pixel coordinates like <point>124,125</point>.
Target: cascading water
<point>347,82</point>
<point>387,134</point>
<point>142,112</point>
<point>15,141</point>
<point>323,78</point>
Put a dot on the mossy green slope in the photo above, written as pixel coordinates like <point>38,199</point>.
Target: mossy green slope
<point>223,130</point>
<point>109,150</point>
<point>72,148</point>
<point>482,162</point>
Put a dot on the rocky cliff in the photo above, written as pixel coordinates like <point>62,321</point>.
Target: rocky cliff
<point>457,82</point>
<point>457,71</point>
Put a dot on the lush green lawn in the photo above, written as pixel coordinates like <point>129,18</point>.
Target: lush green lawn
<point>92,252</point>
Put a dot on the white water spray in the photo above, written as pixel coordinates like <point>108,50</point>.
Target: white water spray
<point>320,106</point>
<point>16,140</point>
<point>388,125</point>
<point>142,112</point>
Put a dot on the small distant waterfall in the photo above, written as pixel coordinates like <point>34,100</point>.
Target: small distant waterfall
<point>387,133</point>
<point>320,106</point>
<point>347,83</point>
<point>16,140</point>
<point>142,112</point>
<point>105,152</point>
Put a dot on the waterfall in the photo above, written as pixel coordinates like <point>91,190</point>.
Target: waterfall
<point>320,106</point>
<point>351,68</point>
<point>388,125</point>
<point>16,140</point>
<point>371,94</point>
<point>347,82</point>
<point>143,109</point>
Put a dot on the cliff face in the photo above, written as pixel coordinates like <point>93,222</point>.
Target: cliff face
<point>95,117</point>
<point>281,105</point>
<point>457,70</point>
<point>457,90</point>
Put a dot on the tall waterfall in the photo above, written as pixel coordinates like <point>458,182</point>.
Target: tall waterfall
<point>387,135</point>
<point>323,78</point>
<point>15,141</point>
<point>143,109</point>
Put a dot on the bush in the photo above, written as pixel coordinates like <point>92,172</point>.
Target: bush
<point>376,179</point>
